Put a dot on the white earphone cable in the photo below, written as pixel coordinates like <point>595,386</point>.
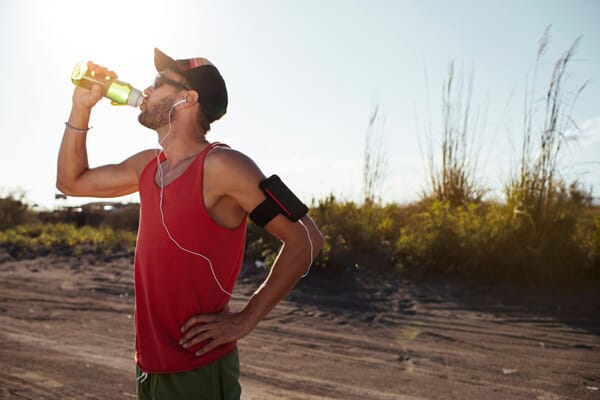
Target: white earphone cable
<point>311,248</point>
<point>162,215</point>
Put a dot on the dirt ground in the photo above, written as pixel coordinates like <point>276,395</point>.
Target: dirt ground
<point>66,332</point>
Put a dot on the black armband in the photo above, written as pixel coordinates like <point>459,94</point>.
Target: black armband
<point>279,200</point>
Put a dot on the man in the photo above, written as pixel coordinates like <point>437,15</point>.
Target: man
<point>195,198</point>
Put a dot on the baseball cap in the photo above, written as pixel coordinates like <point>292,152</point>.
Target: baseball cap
<point>203,77</point>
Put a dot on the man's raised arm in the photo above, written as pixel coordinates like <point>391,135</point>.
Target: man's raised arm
<point>74,176</point>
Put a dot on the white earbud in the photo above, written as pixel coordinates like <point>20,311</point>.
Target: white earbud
<point>184,100</point>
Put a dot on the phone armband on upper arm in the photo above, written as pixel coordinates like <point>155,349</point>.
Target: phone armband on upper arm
<point>279,200</point>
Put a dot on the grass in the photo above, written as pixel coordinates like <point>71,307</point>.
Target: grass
<point>483,241</point>
<point>33,239</point>
<point>375,158</point>
<point>455,180</point>
<point>536,192</point>
<point>487,242</point>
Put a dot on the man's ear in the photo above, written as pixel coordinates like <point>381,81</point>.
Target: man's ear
<point>191,97</point>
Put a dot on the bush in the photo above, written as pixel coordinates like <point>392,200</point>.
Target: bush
<point>448,240</point>
<point>39,239</point>
<point>479,240</point>
<point>484,241</point>
<point>588,236</point>
<point>14,211</point>
<point>355,236</point>
<point>488,242</point>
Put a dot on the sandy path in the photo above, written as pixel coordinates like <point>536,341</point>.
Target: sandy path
<point>66,331</point>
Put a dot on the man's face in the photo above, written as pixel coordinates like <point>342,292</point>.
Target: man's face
<point>160,99</point>
<point>155,114</point>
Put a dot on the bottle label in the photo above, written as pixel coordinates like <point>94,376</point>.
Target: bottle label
<point>118,92</point>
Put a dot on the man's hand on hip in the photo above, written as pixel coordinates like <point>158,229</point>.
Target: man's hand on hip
<point>215,329</point>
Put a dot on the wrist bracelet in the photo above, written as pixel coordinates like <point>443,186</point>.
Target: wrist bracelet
<point>78,129</point>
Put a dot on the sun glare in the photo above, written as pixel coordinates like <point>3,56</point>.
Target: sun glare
<point>85,30</point>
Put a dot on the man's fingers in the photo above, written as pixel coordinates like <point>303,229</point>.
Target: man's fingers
<point>214,336</point>
<point>210,345</point>
<point>201,337</point>
<point>101,71</point>
<point>211,329</point>
<point>204,318</point>
<point>194,331</point>
<point>196,319</point>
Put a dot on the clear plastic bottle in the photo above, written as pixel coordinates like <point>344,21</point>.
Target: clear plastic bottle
<point>120,93</point>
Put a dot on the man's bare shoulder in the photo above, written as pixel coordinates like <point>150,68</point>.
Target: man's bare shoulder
<point>146,155</point>
<point>231,171</point>
<point>139,160</point>
<point>230,160</point>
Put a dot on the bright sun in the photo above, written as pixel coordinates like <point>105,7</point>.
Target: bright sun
<point>107,31</point>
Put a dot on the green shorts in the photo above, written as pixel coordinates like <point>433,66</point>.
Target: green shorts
<point>216,381</point>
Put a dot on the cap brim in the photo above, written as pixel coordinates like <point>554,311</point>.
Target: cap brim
<point>163,61</point>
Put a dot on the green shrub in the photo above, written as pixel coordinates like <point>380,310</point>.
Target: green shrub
<point>490,243</point>
<point>442,239</point>
<point>480,240</point>
<point>31,240</point>
<point>14,211</point>
<point>484,241</point>
<point>359,235</point>
<point>588,236</point>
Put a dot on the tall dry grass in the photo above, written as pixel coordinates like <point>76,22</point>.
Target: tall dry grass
<point>375,158</point>
<point>536,192</point>
<point>456,180</point>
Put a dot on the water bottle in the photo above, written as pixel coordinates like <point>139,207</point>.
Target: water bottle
<point>120,93</point>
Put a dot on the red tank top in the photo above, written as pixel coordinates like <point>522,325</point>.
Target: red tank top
<point>172,285</point>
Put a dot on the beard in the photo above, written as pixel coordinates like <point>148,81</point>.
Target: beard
<point>157,116</point>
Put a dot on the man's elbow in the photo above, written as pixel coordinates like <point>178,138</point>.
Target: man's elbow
<point>65,188</point>
<point>311,241</point>
<point>62,182</point>
<point>61,187</point>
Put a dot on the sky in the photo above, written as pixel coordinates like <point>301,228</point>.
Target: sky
<point>303,79</point>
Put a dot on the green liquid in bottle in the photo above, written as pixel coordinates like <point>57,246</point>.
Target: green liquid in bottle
<point>120,93</point>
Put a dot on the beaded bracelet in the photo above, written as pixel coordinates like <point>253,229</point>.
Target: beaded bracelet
<point>77,129</point>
